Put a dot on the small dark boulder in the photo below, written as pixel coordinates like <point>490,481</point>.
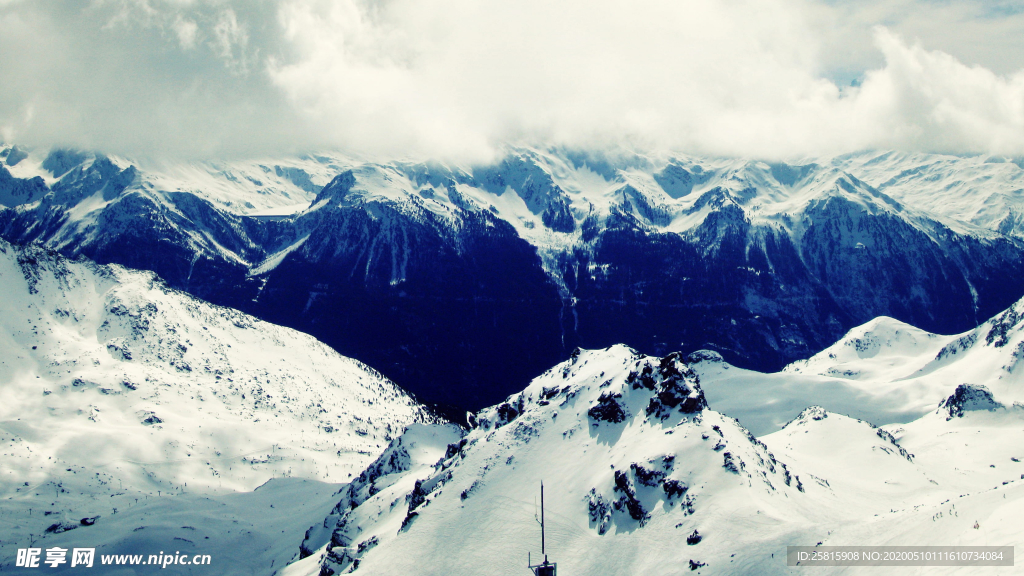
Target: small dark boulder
<point>60,527</point>
<point>367,544</point>
<point>645,477</point>
<point>673,488</point>
<point>607,409</point>
<point>151,419</point>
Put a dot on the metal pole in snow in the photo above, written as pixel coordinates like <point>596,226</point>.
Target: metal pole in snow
<point>542,550</point>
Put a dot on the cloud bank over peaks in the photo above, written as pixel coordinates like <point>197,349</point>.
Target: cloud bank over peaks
<point>457,78</point>
<point>932,101</point>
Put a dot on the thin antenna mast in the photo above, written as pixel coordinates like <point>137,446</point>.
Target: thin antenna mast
<point>546,568</point>
<point>542,549</point>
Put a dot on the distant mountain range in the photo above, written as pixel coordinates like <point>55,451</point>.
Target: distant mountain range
<point>463,282</point>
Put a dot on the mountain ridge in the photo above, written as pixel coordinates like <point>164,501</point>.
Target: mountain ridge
<point>547,250</point>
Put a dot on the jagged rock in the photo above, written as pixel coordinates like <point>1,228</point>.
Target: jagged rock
<point>999,333</point>
<point>967,398</point>
<point>59,527</point>
<point>676,387</point>
<point>506,413</point>
<point>709,356</point>
<point>151,419</point>
<point>645,477</point>
<point>599,511</point>
<point>729,463</point>
<point>627,499</point>
<point>809,414</point>
<point>367,544</point>
<point>892,440</point>
<point>673,488</point>
<point>608,409</point>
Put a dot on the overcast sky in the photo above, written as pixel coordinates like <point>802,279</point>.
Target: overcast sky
<point>453,79</point>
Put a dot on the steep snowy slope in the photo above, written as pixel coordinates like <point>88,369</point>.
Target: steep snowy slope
<point>641,478</point>
<point>104,356</point>
<point>119,392</point>
<point>243,533</point>
<point>880,349</point>
<point>502,269</point>
<point>632,464</point>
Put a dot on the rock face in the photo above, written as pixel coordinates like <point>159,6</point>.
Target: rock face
<point>966,398</point>
<point>14,156</point>
<point>501,270</point>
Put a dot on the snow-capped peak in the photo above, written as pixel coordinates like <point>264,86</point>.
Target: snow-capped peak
<point>627,451</point>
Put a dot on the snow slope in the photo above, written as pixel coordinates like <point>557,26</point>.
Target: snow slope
<point>118,390</point>
<point>631,461</point>
<point>244,533</point>
<point>935,481</point>
<point>634,462</point>
<point>888,358</point>
<point>884,371</point>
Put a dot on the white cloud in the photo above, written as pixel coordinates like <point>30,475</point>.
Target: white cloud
<point>458,77</point>
<point>230,40</point>
<point>929,100</point>
<point>739,77</point>
<point>186,30</point>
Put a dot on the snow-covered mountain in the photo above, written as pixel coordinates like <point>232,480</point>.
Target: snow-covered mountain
<point>883,371</point>
<point>502,269</point>
<point>641,477</point>
<point>631,460</point>
<point>986,191</point>
<point>139,404</point>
